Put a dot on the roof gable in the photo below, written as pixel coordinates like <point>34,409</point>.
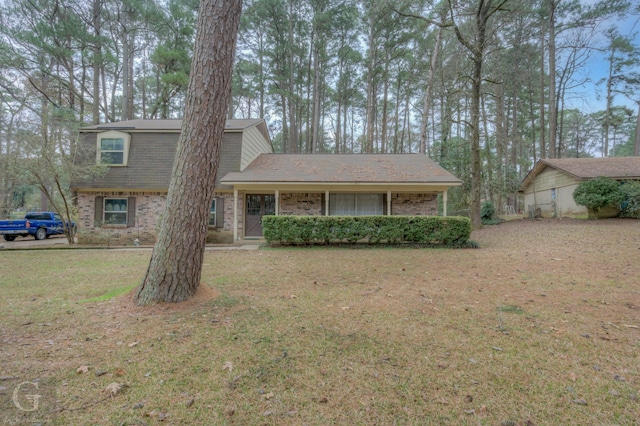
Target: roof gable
<point>619,168</point>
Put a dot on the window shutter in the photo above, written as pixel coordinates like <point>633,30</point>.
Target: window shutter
<point>323,203</point>
<point>219,212</point>
<point>384,204</point>
<point>97,219</point>
<point>131,212</point>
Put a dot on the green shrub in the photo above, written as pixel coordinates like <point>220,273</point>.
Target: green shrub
<point>631,203</point>
<point>597,193</point>
<point>487,211</point>
<point>288,230</point>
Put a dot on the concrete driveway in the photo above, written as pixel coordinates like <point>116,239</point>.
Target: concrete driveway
<point>29,242</point>
<point>60,240</point>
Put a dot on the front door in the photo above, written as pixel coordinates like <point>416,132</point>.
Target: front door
<point>258,205</point>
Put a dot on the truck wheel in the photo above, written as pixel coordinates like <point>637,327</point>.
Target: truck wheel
<point>41,234</point>
<point>9,237</point>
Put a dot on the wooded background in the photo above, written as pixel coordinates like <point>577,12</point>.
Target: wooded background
<point>483,87</point>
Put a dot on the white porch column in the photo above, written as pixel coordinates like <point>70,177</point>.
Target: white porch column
<point>277,202</point>
<point>235,214</point>
<point>444,202</point>
<point>388,203</point>
<point>326,203</point>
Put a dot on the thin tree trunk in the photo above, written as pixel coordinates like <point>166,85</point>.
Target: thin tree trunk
<point>385,105</point>
<point>636,150</point>
<point>553,111</point>
<point>428,94</point>
<point>293,117</point>
<point>543,147</point>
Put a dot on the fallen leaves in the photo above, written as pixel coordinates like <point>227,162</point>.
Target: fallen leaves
<point>228,366</point>
<point>113,388</point>
<point>160,415</point>
<point>82,369</point>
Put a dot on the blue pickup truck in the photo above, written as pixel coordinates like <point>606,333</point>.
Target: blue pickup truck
<point>39,224</point>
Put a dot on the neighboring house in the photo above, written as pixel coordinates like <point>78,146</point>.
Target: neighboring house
<point>126,202</point>
<point>548,187</point>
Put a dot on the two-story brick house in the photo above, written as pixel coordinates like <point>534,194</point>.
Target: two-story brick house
<point>126,202</point>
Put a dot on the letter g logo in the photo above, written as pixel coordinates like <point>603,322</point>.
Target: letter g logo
<point>33,399</point>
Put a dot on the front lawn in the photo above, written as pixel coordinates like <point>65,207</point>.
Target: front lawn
<point>538,326</point>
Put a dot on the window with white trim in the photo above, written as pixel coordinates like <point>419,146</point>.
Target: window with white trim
<point>115,211</point>
<point>113,148</point>
<point>361,204</point>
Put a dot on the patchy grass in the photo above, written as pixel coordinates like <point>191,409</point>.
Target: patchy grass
<point>540,321</point>
<point>111,294</point>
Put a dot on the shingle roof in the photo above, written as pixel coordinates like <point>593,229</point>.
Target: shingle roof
<point>587,168</point>
<point>163,125</point>
<point>343,168</point>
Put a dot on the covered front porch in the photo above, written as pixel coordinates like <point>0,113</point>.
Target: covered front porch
<point>335,185</point>
<point>253,201</point>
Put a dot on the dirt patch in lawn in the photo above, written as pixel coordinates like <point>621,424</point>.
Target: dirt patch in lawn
<point>541,325</point>
<point>126,303</point>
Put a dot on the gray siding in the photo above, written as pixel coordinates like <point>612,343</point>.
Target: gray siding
<point>230,153</point>
<point>150,163</point>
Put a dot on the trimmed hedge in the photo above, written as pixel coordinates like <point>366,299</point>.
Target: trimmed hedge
<point>287,230</point>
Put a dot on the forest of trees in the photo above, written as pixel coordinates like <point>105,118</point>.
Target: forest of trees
<point>483,87</point>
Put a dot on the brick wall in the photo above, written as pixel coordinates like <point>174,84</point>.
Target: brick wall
<point>310,204</point>
<point>150,205</point>
<point>414,204</point>
<point>301,204</point>
<point>149,208</point>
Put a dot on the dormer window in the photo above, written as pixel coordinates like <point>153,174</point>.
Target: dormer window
<point>113,148</point>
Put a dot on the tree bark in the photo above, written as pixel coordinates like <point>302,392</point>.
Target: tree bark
<point>636,148</point>
<point>428,93</point>
<point>543,145</point>
<point>175,268</point>
<point>553,111</point>
<point>97,60</point>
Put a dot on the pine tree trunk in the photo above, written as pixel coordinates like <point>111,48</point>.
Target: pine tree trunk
<point>636,147</point>
<point>175,268</point>
<point>553,111</point>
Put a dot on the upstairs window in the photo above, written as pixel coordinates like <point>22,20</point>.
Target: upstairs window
<point>113,148</point>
